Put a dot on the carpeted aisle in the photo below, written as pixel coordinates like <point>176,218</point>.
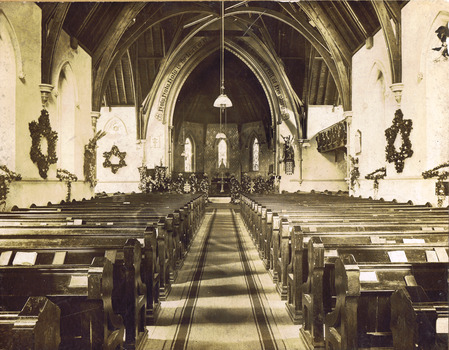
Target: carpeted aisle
<point>223,298</point>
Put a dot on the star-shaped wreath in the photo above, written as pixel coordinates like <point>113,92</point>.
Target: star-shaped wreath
<point>114,152</point>
<point>404,127</point>
<point>38,130</point>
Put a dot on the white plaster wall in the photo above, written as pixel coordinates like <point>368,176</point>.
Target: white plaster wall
<point>322,171</point>
<point>32,188</point>
<point>424,101</point>
<point>120,126</point>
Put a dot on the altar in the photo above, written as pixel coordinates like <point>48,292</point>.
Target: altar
<point>216,186</point>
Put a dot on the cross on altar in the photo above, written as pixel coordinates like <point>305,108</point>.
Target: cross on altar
<point>222,182</point>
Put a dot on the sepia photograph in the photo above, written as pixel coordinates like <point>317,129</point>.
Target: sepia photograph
<point>224,175</point>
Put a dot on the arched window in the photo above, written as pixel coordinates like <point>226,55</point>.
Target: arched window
<point>188,155</point>
<point>67,102</point>
<point>255,155</point>
<point>222,153</point>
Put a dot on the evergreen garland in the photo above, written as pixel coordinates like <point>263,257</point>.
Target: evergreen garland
<point>107,159</point>
<point>68,177</point>
<point>37,131</point>
<point>441,176</point>
<point>404,127</point>
<point>5,179</point>
<point>376,175</point>
<point>90,158</point>
<point>354,174</point>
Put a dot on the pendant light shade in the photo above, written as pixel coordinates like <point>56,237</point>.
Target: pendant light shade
<point>223,101</point>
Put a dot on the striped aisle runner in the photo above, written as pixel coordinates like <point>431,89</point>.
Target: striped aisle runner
<point>217,302</point>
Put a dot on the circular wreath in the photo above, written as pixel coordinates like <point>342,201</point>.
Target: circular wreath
<point>404,127</point>
<point>38,130</point>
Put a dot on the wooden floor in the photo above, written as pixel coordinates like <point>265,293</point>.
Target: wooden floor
<point>223,298</point>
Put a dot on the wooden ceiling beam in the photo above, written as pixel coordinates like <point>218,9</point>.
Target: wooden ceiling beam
<point>330,87</point>
<point>356,20</point>
<point>342,78</point>
<point>51,29</point>
<point>122,77</point>
<point>322,84</point>
<point>392,39</point>
<point>87,19</point>
<point>103,55</point>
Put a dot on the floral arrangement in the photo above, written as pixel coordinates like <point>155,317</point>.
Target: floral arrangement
<point>107,159</point>
<point>404,127</point>
<point>354,174</point>
<point>235,190</point>
<point>38,130</point>
<point>68,177</point>
<point>441,176</point>
<point>376,175</point>
<point>90,158</point>
<point>6,178</point>
<point>147,182</point>
<point>205,186</point>
<point>193,183</point>
<point>178,184</point>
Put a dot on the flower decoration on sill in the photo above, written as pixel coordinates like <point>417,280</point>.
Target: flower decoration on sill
<point>403,127</point>
<point>114,152</point>
<point>68,178</point>
<point>441,176</point>
<point>38,130</point>
<point>354,174</point>
<point>6,178</point>
<point>90,158</point>
<point>377,175</point>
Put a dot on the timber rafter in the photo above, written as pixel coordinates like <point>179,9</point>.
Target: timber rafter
<point>51,29</point>
<point>391,35</point>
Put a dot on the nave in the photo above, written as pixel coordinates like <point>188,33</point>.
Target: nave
<point>223,297</point>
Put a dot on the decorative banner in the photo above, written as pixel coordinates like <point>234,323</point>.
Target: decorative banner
<point>114,152</point>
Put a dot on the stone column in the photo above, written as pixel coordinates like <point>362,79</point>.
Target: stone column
<point>94,118</point>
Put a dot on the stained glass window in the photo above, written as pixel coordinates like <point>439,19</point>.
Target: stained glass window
<point>188,155</point>
<point>255,155</point>
<point>222,153</point>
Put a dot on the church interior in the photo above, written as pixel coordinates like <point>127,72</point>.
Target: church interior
<point>224,175</point>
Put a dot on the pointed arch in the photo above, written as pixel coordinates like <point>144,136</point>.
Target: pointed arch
<point>255,154</point>
<point>67,101</point>
<point>189,154</point>
<point>6,27</point>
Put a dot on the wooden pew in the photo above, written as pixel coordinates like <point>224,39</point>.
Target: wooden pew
<point>98,243</point>
<point>84,295</point>
<point>34,327</point>
<point>316,290</point>
<point>129,295</point>
<point>362,313</point>
<point>415,319</point>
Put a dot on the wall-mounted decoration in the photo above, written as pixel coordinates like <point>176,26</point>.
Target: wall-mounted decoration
<point>90,158</point>
<point>354,174</point>
<point>440,188</point>
<point>39,130</point>
<point>377,175</point>
<point>289,155</point>
<point>404,127</point>
<point>442,34</point>
<point>68,178</point>
<point>6,178</point>
<point>332,138</point>
<point>116,153</point>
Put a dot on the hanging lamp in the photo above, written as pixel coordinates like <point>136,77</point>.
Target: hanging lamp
<point>222,101</point>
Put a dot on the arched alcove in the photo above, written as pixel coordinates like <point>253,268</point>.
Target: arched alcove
<point>8,77</point>
<point>66,115</point>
